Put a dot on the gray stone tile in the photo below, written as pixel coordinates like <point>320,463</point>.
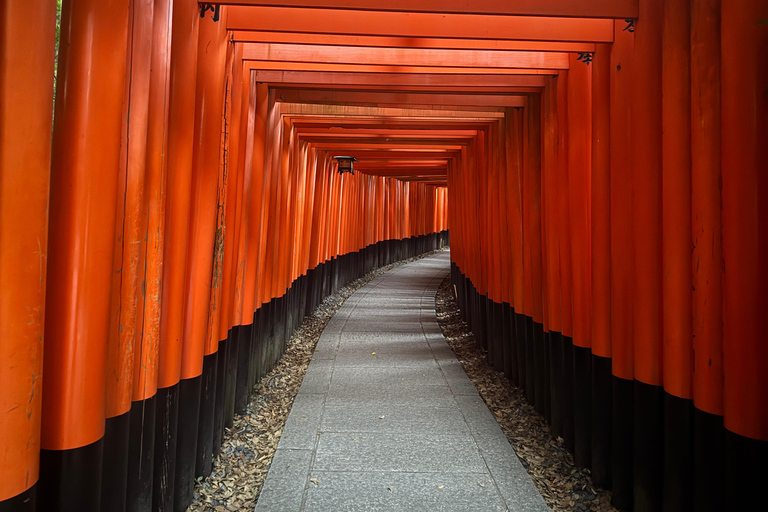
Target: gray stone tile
<point>381,326</point>
<point>385,355</point>
<point>462,387</point>
<point>434,396</point>
<point>386,377</point>
<point>318,377</point>
<point>484,427</point>
<point>284,487</point>
<point>353,451</point>
<point>514,484</point>
<point>380,337</point>
<point>398,492</point>
<point>300,431</point>
<point>384,417</point>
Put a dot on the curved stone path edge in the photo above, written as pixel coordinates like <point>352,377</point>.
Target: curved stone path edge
<point>386,419</point>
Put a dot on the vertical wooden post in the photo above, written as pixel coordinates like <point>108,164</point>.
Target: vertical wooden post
<point>676,205</point>
<point>81,247</point>
<point>622,265</point>
<point>27,39</point>
<point>602,389</point>
<point>579,215</point>
<point>707,258</point>
<point>744,101</point>
<point>199,359</point>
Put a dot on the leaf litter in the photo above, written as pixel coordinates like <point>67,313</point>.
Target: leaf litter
<point>563,485</point>
<point>247,448</point>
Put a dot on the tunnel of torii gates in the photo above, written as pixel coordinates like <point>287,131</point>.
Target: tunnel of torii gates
<point>600,164</point>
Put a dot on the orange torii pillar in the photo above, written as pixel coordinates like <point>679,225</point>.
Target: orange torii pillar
<point>647,232</point>
<point>622,267</point>
<point>676,234</point>
<point>146,354</point>
<point>27,40</point>
<point>550,374</point>
<point>198,360</point>
<point>181,107</point>
<point>125,323</point>
<point>601,400</point>
<point>253,189</point>
<point>707,259</point>
<point>225,385</point>
<point>514,167</point>
<point>744,76</point>
<point>579,216</point>
<point>84,174</point>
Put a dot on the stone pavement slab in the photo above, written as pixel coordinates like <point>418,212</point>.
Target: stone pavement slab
<point>387,420</point>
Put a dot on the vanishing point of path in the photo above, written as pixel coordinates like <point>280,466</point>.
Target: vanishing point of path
<point>387,420</point>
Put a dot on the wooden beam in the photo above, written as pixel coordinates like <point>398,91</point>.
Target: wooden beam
<point>408,42</point>
<point>419,25</point>
<point>379,113</point>
<point>362,68</point>
<point>398,79</point>
<point>566,8</point>
<point>342,97</point>
<point>490,59</point>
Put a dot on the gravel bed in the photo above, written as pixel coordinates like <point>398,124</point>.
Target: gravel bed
<point>241,467</point>
<point>564,486</point>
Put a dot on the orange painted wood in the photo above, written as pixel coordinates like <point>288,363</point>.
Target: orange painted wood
<point>431,25</point>
<point>209,100</point>
<point>580,197</point>
<point>601,202</point>
<point>676,199</point>
<point>130,229</point>
<point>646,206</point>
<point>574,8</point>
<point>706,208</point>
<point>254,183</point>
<point>408,42</point>
<point>532,208</point>
<point>621,194</point>
<point>181,124</point>
<point>563,204</point>
<point>27,37</point>
<point>319,97</point>
<point>82,221</point>
<point>550,209</point>
<point>146,373</point>
<point>514,203</point>
<point>744,39</point>
<point>404,56</point>
<point>389,69</point>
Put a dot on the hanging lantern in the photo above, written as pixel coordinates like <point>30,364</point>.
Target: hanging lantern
<point>345,164</point>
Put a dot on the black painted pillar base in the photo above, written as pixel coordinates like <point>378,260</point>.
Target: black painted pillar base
<point>678,453</point>
<point>582,406</point>
<point>204,452</point>
<point>114,480</point>
<point>166,427</point>
<point>186,442</point>
<point>649,446</point>
<point>746,472</point>
<point>602,421</point>
<point>70,480</point>
<point>141,456</point>
<point>22,502</point>
<point>622,450</point>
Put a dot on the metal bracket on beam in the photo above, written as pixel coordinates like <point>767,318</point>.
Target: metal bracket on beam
<point>214,8</point>
<point>585,57</point>
<point>630,25</point>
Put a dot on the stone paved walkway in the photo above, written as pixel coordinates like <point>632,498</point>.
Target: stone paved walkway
<point>387,420</point>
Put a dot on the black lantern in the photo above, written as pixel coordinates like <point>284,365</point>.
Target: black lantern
<point>346,164</point>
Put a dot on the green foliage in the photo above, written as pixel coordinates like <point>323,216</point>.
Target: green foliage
<point>56,54</point>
